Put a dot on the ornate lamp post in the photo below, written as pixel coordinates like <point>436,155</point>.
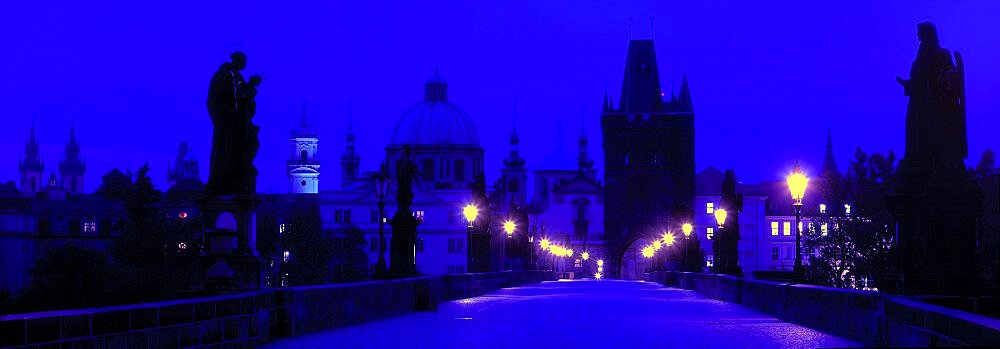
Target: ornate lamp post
<point>470,211</point>
<point>381,179</point>
<point>686,228</point>
<point>797,183</point>
<point>720,261</point>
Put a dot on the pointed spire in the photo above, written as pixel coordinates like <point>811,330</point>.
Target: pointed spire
<point>586,164</point>
<point>684,98</point>
<point>514,159</point>
<point>829,162</point>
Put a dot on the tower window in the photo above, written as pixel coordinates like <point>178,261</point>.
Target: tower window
<point>303,155</point>
<point>709,233</point>
<point>302,183</point>
<point>709,208</point>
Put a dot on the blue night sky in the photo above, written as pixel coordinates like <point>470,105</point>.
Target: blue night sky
<point>766,80</point>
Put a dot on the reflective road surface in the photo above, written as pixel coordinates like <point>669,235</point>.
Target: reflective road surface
<point>577,314</point>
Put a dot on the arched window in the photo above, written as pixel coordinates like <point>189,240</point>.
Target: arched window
<point>303,155</point>
<point>514,186</point>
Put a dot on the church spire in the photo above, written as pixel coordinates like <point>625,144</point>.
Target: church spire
<point>31,165</point>
<point>72,167</point>
<point>829,162</point>
<point>350,161</point>
<point>303,166</point>
<point>684,98</point>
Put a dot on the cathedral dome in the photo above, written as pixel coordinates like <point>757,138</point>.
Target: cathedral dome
<point>435,121</point>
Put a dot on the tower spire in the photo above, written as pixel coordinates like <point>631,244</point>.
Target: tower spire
<point>684,98</point>
<point>72,167</point>
<point>31,165</point>
<point>303,167</point>
<point>829,162</point>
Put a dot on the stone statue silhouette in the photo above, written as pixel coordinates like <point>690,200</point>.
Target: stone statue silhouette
<point>232,106</point>
<point>935,115</point>
<point>406,171</point>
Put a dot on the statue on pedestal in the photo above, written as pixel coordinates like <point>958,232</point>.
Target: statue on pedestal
<point>404,225</point>
<point>232,106</point>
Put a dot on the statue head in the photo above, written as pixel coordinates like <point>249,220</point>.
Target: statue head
<point>239,60</point>
<point>927,32</point>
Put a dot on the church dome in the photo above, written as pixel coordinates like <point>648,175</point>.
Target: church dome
<point>435,121</point>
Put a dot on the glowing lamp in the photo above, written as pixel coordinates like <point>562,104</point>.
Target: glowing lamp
<point>648,251</point>
<point>544,244</point>
<point>470,211</point>
<point>797,183</point>
<point>509,227</point>
<point>668,239</point>
<point>720,216</point>
<point>598,275</point>
<point>600,263</point>
<point>585,255</point>
<point>687,228</point>
<point>569,252</point>
<point>657,245</point>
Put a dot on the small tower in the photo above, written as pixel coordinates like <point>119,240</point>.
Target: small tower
<point>303,167</point>
<point>31,166</point>
<point>72,167</point>
<point>514,175</point>
<point>583,159</point>
<point>350,160</point>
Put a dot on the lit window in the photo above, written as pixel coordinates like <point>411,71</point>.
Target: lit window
<point>822,208</point>
<point>419,215</point>
<point>286,256</point>
<point>577,264</point>
<point>800,227</point>
<point>182,246</point>
<point>90,227</point>
<point>709,233</point>
<point>182,215</point>
<point>787,227</point>
<point>709,261</point>
<point>710,208</point>
<point>823,228</point>
<point>774,228</point>
<point>847,209</point>
<point>282,228</point>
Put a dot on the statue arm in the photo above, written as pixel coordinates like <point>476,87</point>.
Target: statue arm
<point>906,85</point>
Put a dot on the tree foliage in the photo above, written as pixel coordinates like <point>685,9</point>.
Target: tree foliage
<point>856,250</point>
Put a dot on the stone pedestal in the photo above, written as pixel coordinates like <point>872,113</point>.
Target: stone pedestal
<point>402,249</point>
<point>229,260</point>
<point>936,230</point>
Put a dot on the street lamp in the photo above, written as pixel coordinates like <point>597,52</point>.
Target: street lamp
<point>687,228</point>
<point>508,227</point>
<point>381,179</point>
<point>470,211</point>
<point>797,183</point>
<point>721,258</point>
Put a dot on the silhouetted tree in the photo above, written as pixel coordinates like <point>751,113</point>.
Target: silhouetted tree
<point>988,231</point>
<point>310,250</point>
<point>157,265</point>
<point>857,248</point>
<point>70,277</point>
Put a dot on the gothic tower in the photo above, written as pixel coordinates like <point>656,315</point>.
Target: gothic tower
<point>72,167</point>
<point>31,166</point>
<point>350,161</point>
<point>303,167</point>
<point>649,156</point>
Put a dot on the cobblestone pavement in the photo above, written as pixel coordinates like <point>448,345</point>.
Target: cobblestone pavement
<point>577,314</point>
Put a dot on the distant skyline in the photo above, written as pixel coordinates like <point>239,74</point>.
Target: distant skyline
<point>766,80</point>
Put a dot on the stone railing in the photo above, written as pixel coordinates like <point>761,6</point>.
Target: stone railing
<point>871,317</point>
<point>249,318</point>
